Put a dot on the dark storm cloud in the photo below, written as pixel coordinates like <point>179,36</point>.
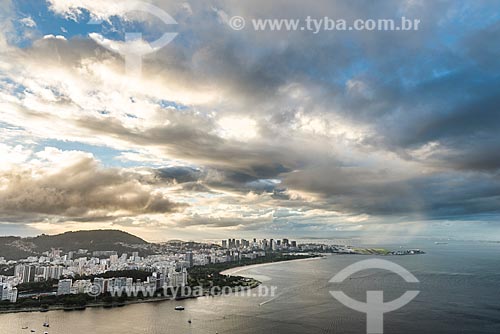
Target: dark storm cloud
<point>458,109</point>
<point>457,106</point>
<point>179,174</point>
<point>240,222</point>
<point>376,193</point>
<point>81,190</point>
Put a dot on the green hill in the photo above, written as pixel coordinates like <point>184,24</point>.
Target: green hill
<point>13,248</point>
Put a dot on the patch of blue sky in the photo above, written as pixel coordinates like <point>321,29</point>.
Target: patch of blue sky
<point>356,69</point>
<point>171,104</point>
<point>14,135</point>
<point>264,184</point>
<point>105,154</point>
<point>470,18</point>
<point>115,28</point>
<point>10,85</point>
<point>49,23</point>
<point>108,156</point>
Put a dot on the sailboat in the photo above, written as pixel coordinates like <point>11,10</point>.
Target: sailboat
<point>46,323</point>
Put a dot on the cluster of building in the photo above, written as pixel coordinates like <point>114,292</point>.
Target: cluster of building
<point>37,273</point>
<point>168,277</point>
<point>7,291</point>
<point>167,268</point>
<point>264,244</point>
<point>259,247</point>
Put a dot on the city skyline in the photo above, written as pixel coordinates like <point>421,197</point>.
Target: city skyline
<point>154,270</point>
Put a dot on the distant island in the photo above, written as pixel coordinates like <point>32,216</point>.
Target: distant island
<point>109,268</point>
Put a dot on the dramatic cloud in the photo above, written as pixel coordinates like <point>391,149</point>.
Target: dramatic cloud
<point>72,185</point>
<point>262,131</point>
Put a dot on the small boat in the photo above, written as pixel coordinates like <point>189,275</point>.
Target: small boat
<point>24,327</point>
<point>179,308</point>
<point>46,324</point>
<point>189,320</point>
<point>32,331</point>
<point>45,332</point>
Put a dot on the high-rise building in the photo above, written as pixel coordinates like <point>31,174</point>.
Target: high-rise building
<point>8,292</point>
<point>13,295</point>
<point>54,272</point>
<point>190,259</point>
<point>178,278</point>
<point>26,273</point>
<point>4,291</point>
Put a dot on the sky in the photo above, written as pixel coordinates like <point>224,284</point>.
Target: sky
<point>249,133</point>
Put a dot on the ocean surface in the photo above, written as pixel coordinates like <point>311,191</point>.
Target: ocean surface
<point>459,284</point>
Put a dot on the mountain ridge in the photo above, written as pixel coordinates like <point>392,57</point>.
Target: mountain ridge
<point>15,248</point>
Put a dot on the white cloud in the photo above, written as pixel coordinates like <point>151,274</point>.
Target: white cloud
<point>99,9</point>
<point>28,22</point>
<point>238,128</point>
<point>6,26</point>
<point>12,156</point>
<point>50,36</point>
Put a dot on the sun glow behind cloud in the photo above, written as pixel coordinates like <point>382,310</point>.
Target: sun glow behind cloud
<point>241,129</point>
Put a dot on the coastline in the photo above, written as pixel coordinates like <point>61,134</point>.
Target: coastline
<point>92,305</point>
<point>228,272</point>
<point>233,271</point>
